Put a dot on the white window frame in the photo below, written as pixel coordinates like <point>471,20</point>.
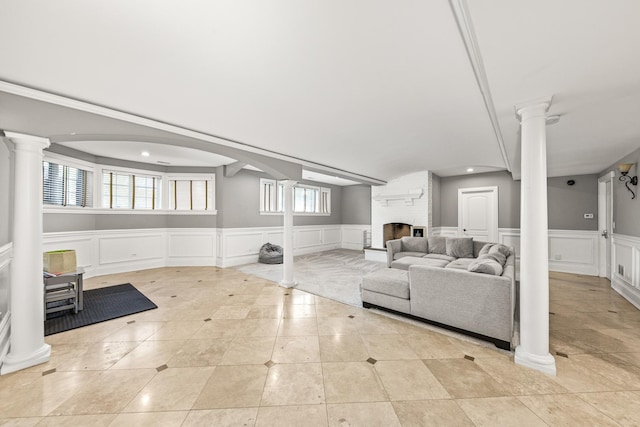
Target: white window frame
<point>273,206</point>
<point>97,170</point>
<point>158,205</point>
<point>210,181</point>
<point>72,163</point>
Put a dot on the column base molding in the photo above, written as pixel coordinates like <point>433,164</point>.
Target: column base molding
<point>287,284</point>
<point>545,364</point>
<point>15,363</point>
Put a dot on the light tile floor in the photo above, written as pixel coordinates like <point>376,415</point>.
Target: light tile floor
<point>228,349</point>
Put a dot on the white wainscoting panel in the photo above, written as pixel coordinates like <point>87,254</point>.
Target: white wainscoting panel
<point>6,255</point>
<point>239,246</point>
<point>446,231</point>
<point>83,242</point>
<point>117,251</point>
<point>570,251</point>
<point>353,236</point>
<point>625,267</point>
<point>307,238</point>
<point>191,247</point>
<point>124,247</point>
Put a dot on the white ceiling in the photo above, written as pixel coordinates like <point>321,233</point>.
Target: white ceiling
<point>163,154</point>
<point>375,88</point>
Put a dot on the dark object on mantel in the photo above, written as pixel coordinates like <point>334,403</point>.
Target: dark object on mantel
<point>395,230</point>
<point>270,254</point>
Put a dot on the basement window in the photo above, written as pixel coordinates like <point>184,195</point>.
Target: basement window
<point>193,193</point>
<point>66,185</point>
<point>121,190</point>
<point>307,200</point>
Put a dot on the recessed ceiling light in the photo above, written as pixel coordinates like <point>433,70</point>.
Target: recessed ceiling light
<point>145,154</point>
<point>72,133</point>
<point>469,169</point>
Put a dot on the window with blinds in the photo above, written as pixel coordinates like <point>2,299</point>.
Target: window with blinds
<point>191,194</point>
<point>306,199</point>
<point>130,191</point>
<point>66,185</point>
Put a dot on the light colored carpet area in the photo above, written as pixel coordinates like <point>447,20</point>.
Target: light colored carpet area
<point>335,274</point>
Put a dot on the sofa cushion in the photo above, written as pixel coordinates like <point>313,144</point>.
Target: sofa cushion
<point>497,255</point>
<point>486,266</point>
<point>399,255</point>
<point>414,244</point>
<point>437,245</point>
<point>440,256</point>
<point>485,249</point>
<point>460,263</point>
<point>495,247</point>
<point>405,262</point>
<point>503,249</point>
<point>460,247</point>
<point>389,281</point>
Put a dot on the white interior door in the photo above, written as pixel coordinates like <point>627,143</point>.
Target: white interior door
<point>478,213</point>
<point>605,222</point>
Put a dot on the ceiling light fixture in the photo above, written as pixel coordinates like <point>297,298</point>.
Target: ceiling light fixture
<point>469,169</point>
<point>145,154</point>
<point>624,169</point>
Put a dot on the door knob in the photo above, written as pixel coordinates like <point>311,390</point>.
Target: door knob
<point>605,234</point>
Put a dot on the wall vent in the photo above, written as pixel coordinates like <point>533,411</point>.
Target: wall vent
<point>621,270</point>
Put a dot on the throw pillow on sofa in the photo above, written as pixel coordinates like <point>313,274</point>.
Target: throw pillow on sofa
<point>414,244</point>
<point>486,266</point>
<point>496,256</point>
<point>437,245</point>
<point>460,247</point>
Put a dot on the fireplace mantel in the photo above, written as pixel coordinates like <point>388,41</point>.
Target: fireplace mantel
<point>408,197</point>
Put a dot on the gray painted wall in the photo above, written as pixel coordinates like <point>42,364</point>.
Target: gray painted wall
<point>435,201</point>
<point>238,203</point>
<point>508,197</point>
<point>62,222</point>
<point>566,204</point>
<point>356,204</point>
<point>6,189</point>
<point>626,211</point>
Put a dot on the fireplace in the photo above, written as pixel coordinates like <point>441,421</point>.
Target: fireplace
<point>394,230</point>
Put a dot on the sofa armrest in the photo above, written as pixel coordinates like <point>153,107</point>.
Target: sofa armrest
<point>393,247</point>
<point>471,301</point>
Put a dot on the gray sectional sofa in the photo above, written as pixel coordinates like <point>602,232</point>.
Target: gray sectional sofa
<point>458,283</point>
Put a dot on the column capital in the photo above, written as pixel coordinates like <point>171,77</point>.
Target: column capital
<point>24,139</point>
<point>532,108</point>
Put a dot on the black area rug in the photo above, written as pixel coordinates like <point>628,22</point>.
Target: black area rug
<point>100,305</point>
